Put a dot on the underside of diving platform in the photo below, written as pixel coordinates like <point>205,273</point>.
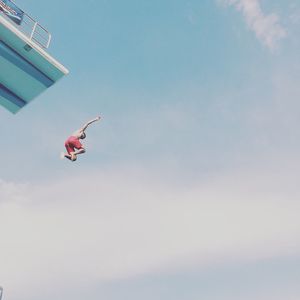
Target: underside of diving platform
<point>26,69</point>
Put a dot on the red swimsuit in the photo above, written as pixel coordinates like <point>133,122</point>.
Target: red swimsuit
<point>71,143</point>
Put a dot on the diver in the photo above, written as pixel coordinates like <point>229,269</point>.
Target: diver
<point>73,144</point>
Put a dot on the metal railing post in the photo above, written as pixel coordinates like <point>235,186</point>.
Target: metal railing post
<point>33,30</point>
<point>49,40</point>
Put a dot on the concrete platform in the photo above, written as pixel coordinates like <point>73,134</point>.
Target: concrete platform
<point>26,69</point>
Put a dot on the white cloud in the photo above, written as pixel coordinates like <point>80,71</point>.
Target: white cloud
<point>124,223</point>
<point>10,191</point>
<point>267,27</point>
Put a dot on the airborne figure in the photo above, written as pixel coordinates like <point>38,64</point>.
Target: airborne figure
<point>73,145</point>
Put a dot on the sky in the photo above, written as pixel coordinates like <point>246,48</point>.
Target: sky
<point>189,186</point>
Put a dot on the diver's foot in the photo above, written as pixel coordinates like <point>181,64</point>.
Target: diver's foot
<point>73,156</point>
<point>64,155</point>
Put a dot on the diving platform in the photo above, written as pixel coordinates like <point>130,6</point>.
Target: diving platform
<point>26,68</point>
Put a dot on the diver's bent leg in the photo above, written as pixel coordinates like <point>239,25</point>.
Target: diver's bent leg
<point>79,151</point>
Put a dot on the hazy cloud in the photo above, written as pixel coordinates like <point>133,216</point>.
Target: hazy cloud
<point>125,223</point>
<point>267,27</point>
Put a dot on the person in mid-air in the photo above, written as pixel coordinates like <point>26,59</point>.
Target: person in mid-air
<point>73,145</point>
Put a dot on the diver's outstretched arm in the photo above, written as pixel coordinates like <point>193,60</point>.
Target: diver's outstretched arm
<point>85,126</point>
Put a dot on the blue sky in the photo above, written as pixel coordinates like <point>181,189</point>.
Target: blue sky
<point>189,187</point>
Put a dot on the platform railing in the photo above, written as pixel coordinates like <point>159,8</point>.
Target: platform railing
<point>31,28</point>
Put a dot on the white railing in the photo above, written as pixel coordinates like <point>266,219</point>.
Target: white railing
<point>32,29</point>
<point>35,31</point>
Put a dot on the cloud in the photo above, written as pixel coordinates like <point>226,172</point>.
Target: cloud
<point>10,191</point>
<point>123,223</point>
<point>267,28</point>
